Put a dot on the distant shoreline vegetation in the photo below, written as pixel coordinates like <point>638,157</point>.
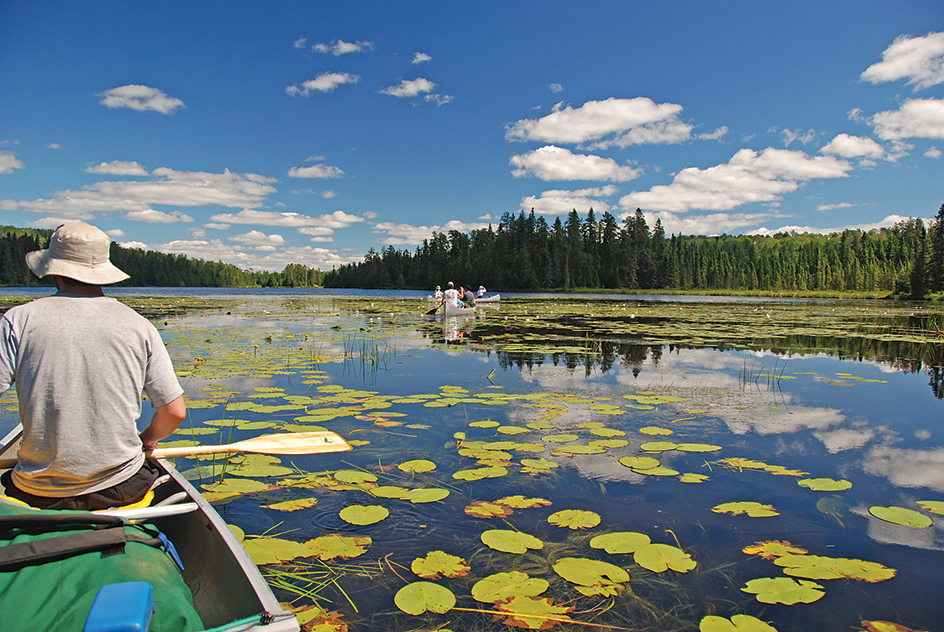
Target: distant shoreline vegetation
<point>580,255</point>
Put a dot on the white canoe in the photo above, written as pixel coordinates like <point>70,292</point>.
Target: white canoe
<point>452,310</point>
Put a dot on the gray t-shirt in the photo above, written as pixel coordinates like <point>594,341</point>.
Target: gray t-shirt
<point>80,364</point>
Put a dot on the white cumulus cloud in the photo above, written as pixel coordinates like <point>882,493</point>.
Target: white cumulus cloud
<point>9,162</point>
<point>748,177</point>
<point>325,82</point>
<point>157,217</point>
<point>916,118</point>
<point>419,58</point>
<point>141,98</point>
<point>846,146</point>
<point>316,171</point>
<point>561,202</point>
<point>619,122</point>
<point>556,163</point>
<point>118,168</point>
<point>259,240</point>
<point>410,235</point>
<point>918,59</point>
<point>340,47</point>
<point>410,88</point>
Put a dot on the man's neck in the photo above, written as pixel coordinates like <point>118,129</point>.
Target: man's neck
<point>63,285</point>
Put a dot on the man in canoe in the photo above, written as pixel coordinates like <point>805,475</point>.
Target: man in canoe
<point>80,362</point>
<point>451,296</point>
<point>465,294</point>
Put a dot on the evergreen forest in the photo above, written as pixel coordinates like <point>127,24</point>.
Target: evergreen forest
<point>525,253</point>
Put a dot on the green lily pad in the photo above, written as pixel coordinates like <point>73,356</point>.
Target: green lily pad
<point>503,586</point>
<point>784,590</point>
<point>417,466</point>
<point>620,542</point>
<point>426,495</point>
<point>639,462</point>
<point>697,447</point>
<point>655,430</point>
<point>607,432</point>
<point>354,476</point>
<point>364,514</point>
<point>737,623</point>
<point>485,424</point>
<point>658,446</point>
<point>512,430</point>
<point>437,563</point>
<point>561,438</point>
<point>902,516</point>
<point>660,557</point>
<point>585,572</point>
<point>510,541</point>
<point>824,484</point>
<point>420,597</point>
<point>574,519</point>
<point>752,509</point>
<point>657,471</point>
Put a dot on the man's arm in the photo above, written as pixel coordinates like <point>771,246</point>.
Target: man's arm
<point>165,421</point>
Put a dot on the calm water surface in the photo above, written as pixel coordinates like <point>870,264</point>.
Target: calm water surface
<point>403,384</point>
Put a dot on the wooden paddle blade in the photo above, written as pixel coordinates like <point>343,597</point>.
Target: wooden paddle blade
<point>281,443</point>
<point>434,310</point>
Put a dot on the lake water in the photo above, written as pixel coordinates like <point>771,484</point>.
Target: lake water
<point>787,391</point>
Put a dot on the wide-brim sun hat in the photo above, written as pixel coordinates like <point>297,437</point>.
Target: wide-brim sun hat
<point>77,251</point>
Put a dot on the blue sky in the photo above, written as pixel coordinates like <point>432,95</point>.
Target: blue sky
<point>268,133</point>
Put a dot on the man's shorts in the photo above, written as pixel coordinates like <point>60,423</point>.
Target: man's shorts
<point>124,493</point>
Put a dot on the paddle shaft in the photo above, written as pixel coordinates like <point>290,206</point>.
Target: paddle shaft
<point>287,443</point>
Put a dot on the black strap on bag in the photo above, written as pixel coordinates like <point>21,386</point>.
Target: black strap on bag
<point>107,535</point>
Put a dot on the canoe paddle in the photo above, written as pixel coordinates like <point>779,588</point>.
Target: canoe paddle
<point>281,443</point>
<point>434,310</point>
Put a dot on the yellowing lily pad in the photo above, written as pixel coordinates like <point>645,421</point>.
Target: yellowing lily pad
<point>932,506</point>
<point>420,597</point>
<point>737,623</point>
<point>417,466</point>
<point>364,514</point>
<point>658,446</point>
<point>329,547</point>
<point>561,438</point>
<point>389,491</point>
<point>574,519</point>
<point>484,509</point>
<point>540,425</point>
<point>533,613</point>
<point>437,563</point>
<point>902,516</point>
<point>752,509</point>
<point>620,542</point>
<point>580,449</point>
<point>510,541</point>
<point>822,567</point>
<point>504,586</point>
<point>697,447</point>
<point>661,557</point>
<point>784,590</point>
<point>539,464</point>
<point>774,548</point>
<point>520,502</point>
<point>607,432</point>
<point>689,477</point>
<point>824,484</point>
<point>293,505</point>
<point>512,430</point>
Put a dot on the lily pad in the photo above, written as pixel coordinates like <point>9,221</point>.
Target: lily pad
<point>485,509</point>
<point>510,541</point>
<point>620,542</point>
<point>574,519</point>
<point>697,447</point>
<point>364,514</point>
<point>902,516</point>
<point>737,623</point>
<point>354,476</point>
<point>485,424</point>
<point>655,430</point>
<point>932,506</point>
<point>521,502</point>
<point>772,549</point>
<point>586,572</point>
<point>824,484</point>
<point>426,495</point>
<point>752,509</point>
<point>639,462</point>
<point>660,557</point>
<point>329,547</point>
<point>784,590</point>
<point>561,438</point>
<point>437,563</point>
<point>420,597</point>
<point>658,446</point>
<point>417,466</point>
<point>822,567</point>
<point>293,505</point>
<point>504,586</point>
<point>533,613</point>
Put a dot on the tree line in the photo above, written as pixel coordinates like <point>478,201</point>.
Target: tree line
<point>526,253</point>
<point>148,267</point>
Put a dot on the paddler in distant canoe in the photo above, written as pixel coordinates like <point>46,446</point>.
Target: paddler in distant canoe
<point>80,361</point>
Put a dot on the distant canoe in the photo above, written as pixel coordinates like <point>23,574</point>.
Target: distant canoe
<point>495,298</point>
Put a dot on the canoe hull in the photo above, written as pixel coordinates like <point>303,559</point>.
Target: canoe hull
<point>224,581</point>
<point>452,310</point>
